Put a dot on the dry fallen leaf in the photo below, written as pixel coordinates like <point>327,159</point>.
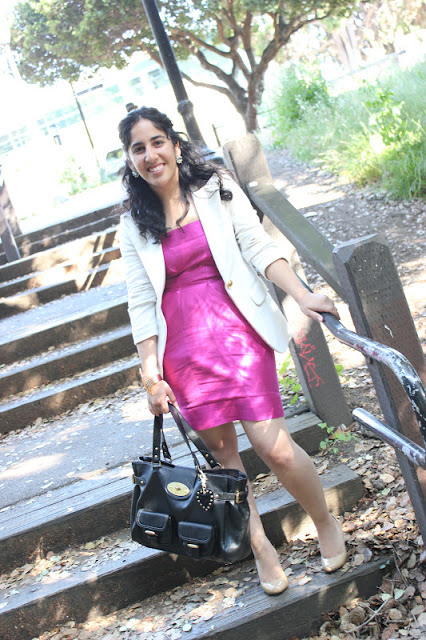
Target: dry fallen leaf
<point>395,614</point>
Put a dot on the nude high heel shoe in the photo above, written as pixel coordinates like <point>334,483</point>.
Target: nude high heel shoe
<point>336,562</point>
<point>274,588</point>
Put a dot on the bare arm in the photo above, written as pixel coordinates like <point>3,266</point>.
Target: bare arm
<point>281,274</point>
<point>161,391</point>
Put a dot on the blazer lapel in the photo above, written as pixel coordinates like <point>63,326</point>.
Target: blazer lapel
<point>209,208</point>
<point>153,260</point>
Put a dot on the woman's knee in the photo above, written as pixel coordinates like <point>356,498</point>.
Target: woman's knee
<point>222,442</point>
<point>273,443</point>
<point>277,456</point>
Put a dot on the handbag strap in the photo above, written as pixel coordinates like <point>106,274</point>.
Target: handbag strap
<point>188,434</point>
<point>159,441</point>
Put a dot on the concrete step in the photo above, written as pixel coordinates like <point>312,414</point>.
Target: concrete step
<point>62,322</point>
<point>88,509</point>
<point>69,252</point>
<point>98,276</point>
<point>60,273</point>
<point>35,242</point>
<point>53,365</point>
<point>141,572</point>
<point>22,411</point>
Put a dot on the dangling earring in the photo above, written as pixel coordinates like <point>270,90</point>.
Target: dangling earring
<point>135,174</point>
<point>179,159</point>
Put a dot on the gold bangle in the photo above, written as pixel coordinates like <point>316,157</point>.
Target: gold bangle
<point>149,382</point>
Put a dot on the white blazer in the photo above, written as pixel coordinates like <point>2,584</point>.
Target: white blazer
<point>241,249</point>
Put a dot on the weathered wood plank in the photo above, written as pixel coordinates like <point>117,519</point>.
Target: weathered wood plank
<point>54,365</point>
<point>67,395</point>
<point>88,509</point>
<point>145,572</point>
<point>295,613</point>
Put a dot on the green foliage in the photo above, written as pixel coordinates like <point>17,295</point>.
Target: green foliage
<point>234,39</point>
<point>290,385</point>
<point>300,92</point>
<point>288,380</point>
<point>386,115</point>
<point>335,436</point>
<point>75,178</point>
<point>372,135</point>
<point>78,178</point>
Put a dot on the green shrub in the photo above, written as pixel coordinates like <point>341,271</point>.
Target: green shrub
<point>372,135</point>
<point>75,177</point>
<point>78,178</point>
<point>298,93</point>
<point>386,115</point>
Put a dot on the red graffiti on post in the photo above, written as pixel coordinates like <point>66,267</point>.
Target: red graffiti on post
<point>306,352</point>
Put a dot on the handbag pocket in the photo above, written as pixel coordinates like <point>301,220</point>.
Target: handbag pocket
<point>155,529</point>
<point>197,540</point>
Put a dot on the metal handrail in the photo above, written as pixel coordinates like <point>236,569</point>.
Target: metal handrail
<point>408,378</point>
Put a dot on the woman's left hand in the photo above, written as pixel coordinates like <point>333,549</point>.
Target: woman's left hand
<point>313,303</point>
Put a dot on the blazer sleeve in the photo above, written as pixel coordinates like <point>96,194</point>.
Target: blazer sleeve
<point>141,294</point>
<point>256,245</point>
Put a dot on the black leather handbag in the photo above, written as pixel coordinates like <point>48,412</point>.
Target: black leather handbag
<point>190,511</point>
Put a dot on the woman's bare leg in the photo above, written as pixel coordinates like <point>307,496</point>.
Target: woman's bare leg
<point>295,470</point>
<point>223,443</point>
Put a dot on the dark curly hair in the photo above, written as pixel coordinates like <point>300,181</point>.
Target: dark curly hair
<point>195,170</point>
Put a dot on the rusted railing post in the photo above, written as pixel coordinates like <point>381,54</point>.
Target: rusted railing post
<point>380,311</point>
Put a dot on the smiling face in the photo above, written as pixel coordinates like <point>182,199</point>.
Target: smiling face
<point>153,155</point>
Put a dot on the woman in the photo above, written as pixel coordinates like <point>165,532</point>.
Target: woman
<point>203,322</point>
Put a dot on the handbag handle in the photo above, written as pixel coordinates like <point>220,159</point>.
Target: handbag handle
<point>188,434</point>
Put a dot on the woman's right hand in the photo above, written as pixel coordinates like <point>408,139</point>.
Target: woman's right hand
<point>162,394</point>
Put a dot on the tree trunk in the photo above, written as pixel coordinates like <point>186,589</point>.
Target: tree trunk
<point>250,118</point>
<point>347,47</point>
<point>254,99</point>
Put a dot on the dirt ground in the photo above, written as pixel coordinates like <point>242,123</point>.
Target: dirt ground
<point>384,521</point>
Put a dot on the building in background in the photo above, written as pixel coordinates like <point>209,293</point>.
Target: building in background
<point>44,143</point>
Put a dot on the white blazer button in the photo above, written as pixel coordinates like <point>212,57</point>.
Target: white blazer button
<point>229,285</point>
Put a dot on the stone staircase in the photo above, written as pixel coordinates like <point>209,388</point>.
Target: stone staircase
<point>65,340</point>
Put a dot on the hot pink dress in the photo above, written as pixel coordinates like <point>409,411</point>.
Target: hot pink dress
<point>219,368</point>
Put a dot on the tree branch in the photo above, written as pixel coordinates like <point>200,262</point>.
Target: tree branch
<point>206,85</point>
<point>181,35</point>
<point>231,17</point>
<point>233,53</point>
<point>151,54</point>
<point>246,36</point>
<point>239,104</point>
